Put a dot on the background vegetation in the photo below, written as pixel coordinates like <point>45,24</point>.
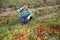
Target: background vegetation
<point>33,3</point>
<point>10,28</point>
<point>38,28</point>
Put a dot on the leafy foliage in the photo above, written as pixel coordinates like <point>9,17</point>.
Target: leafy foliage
<point>43,29</point>
<point>33,3</point>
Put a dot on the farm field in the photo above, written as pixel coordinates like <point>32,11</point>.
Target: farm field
<point>45,24</point>
<point>41,28</point>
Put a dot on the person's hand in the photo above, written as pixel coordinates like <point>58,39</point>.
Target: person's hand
<point>28,17</point>
<point>23,7</point>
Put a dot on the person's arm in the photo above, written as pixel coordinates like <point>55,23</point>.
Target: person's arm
<point>20,10</point>
<point>30,12</point>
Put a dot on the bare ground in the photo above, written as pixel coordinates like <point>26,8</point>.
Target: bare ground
<point>10,11</point>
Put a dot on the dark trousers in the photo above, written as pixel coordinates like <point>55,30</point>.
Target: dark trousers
<point>24,19</point>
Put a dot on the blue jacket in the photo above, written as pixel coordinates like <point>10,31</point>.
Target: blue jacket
<point>23,12</point>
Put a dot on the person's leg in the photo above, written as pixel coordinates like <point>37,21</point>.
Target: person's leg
<point>30,18</point>
<point>25,18</point>
<point>22,20</point>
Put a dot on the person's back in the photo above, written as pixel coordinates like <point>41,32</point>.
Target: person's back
<point>24,13</point>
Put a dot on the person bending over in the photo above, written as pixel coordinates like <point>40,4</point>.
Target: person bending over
<point>25,14</point>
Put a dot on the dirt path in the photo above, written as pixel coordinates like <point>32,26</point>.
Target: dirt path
<point>50,15</point>
<point>10,11</point>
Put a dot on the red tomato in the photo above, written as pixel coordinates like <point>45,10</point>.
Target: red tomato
<point>42,30</point>
<point>17,38</point>
<point>57,30</point>
<point>49,27</point>
<point>17,33</point>
<point>42,37</point>
<point>23,38</point>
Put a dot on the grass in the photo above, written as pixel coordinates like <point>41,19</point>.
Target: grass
<point>8,31</point>
<point>44,29</point>
<point>46,11</point>
<point>18,3</point>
